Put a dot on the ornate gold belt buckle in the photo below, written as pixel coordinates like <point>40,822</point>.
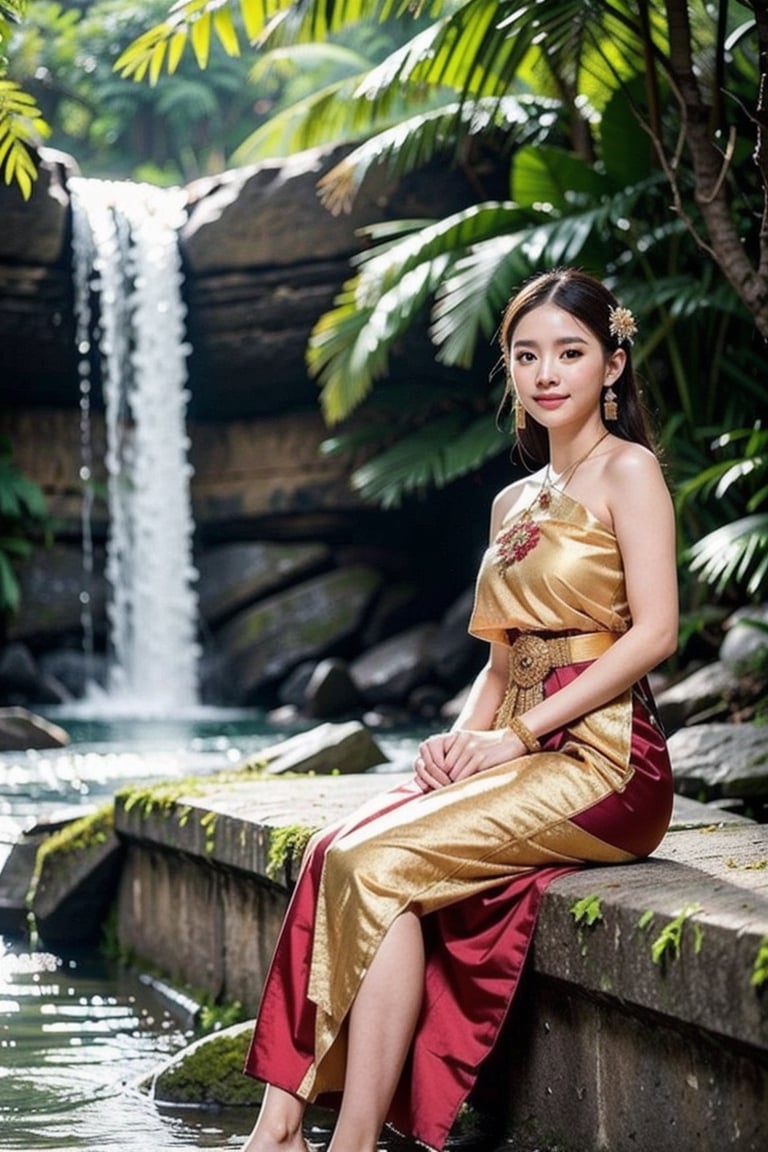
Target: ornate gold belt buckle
<point>529,661</point>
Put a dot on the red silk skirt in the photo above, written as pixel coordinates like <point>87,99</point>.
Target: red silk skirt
<point>564,809</point>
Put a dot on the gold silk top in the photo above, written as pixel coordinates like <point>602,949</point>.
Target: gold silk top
<point>564,572</point>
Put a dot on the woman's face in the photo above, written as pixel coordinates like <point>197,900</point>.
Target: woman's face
<point>559,367</point>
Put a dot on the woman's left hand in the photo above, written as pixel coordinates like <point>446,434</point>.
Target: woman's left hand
<point>455,755</point>
<point>471,752</point>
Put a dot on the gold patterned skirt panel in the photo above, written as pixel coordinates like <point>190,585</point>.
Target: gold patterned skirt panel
<point>436,850</point>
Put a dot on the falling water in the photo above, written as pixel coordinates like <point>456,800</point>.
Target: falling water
<point>128,299</point>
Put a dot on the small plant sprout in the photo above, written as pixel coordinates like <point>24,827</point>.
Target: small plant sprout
<point>667,944</point>
<point>586,913</point>
<point>759,975</point>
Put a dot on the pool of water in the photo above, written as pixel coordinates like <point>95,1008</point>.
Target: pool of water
<point>78,1035</point>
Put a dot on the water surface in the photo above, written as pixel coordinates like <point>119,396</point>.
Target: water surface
<point>78,1035</point>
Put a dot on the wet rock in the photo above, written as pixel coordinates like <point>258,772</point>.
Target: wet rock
<point>746,638</point>
<point>75,669</point>
<point>330,691</point>
<point>21,729</point>
<point>458,656</point>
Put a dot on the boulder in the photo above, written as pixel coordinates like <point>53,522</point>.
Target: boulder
<point>264,259</point>
<point>705,693</point>
<point>260,646</point>
<point>21,729</point>
<point>722,761</point>
<point>329,749</point>
<point>389,672</point>
<point>458,656</point>
<point>209,1073</point>
<point>232,576</point>
<point>746,637</point>
<point>330,690</point>
<point>23,683</point>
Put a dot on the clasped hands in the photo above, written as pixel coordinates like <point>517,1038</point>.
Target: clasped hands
<point>450,756</point>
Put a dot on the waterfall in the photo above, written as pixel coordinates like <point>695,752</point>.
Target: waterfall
<point>130,321</point>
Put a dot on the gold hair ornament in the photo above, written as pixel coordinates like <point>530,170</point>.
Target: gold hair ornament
<point>621,324</point>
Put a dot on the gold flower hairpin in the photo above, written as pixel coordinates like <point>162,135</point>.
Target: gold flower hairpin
<point>621,324</point>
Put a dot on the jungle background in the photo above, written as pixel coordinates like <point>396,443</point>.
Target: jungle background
<point>626,139</point>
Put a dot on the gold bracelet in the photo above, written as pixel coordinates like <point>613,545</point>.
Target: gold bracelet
<point>523,733</point>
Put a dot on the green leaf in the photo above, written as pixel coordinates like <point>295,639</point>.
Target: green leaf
<point>10,594</point>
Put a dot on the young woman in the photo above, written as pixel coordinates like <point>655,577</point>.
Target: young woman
<point>407,931</point>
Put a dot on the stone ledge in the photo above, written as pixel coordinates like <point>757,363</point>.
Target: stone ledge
<point>610,1051</point>
<point>711,863</point>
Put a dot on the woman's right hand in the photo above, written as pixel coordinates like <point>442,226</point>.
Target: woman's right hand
<point>429,765</point>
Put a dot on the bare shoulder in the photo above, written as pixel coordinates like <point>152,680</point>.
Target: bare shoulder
<point>629,465</point>
<point>635,485</point>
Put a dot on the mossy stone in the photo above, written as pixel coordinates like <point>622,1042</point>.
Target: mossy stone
<point>209,1073</point>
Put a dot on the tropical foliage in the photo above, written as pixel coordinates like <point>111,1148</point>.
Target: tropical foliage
<point>622,137</point>
<point>23,518</point>
<point>185,126</point>
<point>21,124</point>
<point>599,112</point>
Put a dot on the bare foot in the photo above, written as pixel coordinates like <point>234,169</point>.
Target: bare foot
<point>261,1142</point>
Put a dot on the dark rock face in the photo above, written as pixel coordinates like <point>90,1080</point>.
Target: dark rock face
<point>36,321</point>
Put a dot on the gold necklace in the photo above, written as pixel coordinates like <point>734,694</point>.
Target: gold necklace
<point>514,542</point>
<point>544,498</point>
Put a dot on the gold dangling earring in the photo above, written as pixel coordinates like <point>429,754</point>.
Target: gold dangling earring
<point>519,414</point>
<point>610,404</point>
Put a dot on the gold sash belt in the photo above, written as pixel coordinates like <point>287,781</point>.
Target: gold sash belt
<point>532,658</point>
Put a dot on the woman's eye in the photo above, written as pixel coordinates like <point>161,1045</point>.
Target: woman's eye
<point>572,353</point>
<point>524,357</point>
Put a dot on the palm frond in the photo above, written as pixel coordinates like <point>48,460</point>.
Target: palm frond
<point>21,127</point>
<point>196,23</point>
<point>13,10</point>
<point>349,346</point>
<point>330,115</point>
<point>735,553</point>
<point>442,450</point>
<point>417,139</point>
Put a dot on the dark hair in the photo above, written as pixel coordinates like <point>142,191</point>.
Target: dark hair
<point>590,302</point>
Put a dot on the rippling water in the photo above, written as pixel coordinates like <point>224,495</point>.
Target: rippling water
<point>76,1035</point>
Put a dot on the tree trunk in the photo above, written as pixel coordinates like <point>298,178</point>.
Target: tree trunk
<point>710,167</point>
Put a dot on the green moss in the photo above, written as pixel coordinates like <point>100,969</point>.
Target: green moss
<point>165,798</point>
<point>210,1073</point>
<point>87,832</point>
<point>286,845</point>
